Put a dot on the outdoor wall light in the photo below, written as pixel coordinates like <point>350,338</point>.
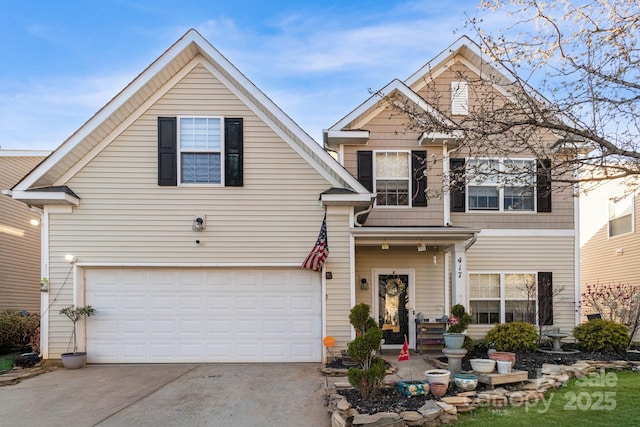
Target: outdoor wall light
<point>363,284</point>
<point>199,223</point>
<point>71,259</point>
<point>35,222</point>
<point>384,246</point>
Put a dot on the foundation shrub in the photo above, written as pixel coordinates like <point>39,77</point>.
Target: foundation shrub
<point>17,329</point>
<point>601,335</point>
<point>513,336</point>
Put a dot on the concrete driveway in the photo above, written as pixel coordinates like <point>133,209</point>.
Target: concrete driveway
<point>170,395</point>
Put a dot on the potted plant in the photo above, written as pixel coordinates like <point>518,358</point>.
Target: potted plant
<point>76,359</point>
<point>458,323</point>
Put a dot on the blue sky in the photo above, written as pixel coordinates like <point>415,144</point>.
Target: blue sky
<point>62,61</point>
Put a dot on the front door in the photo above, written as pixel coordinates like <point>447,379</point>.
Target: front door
<point>393,307</point>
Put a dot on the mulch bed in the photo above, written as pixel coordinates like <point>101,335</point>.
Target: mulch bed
<point>390,399</point>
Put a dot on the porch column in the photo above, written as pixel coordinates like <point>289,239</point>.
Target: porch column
<point>459,276</point>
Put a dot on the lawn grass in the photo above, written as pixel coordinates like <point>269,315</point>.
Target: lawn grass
<point>6,361</point>
<point>606,399</point>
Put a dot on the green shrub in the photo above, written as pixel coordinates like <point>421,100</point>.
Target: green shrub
<point>369,376</point>
<point>602,335</point>
<point>366,381</point>
<point>513,336</point>
<point>459,320</point>
<point>17,329</point>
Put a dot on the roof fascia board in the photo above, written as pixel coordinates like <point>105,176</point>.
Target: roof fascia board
<point>129,120</point>
<point>441,57</point>
<point>45,195</point>
<point>113,105</point>
<point>355,197</point>
<point>395,85</point>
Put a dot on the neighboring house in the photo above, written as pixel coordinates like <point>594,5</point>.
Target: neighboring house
<point>186,206</point>
<point>504,253</point>
<point>609,243</point>
<point>19,236</point>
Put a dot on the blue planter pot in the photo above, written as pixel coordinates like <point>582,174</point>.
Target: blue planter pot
<point>453,340</point>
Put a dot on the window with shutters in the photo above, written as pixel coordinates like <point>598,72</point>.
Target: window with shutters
<point>501,185</point>
<point>392,178</point>
<point>621,216</point>
<point>200,148</point>
<point>503,297</point>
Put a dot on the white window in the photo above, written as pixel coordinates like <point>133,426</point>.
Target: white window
<point>459,98</point>
<point>392,178</point>
<point>503,297</point>
<point>621,216</point>
<point>200,142</point>
<point>501,185</point>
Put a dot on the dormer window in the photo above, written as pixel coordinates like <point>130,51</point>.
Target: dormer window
<point>459,98</point>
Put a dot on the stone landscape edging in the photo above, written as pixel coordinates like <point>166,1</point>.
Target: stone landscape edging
<point>446,410</point>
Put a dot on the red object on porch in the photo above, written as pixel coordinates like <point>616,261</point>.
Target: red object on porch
<point>404,353</point>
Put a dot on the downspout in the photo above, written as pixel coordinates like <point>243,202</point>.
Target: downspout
<point>364,212</point>
<point>471,242</point>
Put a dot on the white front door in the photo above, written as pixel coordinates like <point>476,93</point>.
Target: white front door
<point>393,306</point>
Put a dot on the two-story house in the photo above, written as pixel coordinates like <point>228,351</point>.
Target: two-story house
<point>508,252</point>
<point>184,208</point>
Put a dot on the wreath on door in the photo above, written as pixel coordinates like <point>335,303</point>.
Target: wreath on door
<point>394,287</point>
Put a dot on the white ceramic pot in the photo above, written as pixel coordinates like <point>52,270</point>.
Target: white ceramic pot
<point>483,366</point>
<point>504,366</point>
<point>437,376</point>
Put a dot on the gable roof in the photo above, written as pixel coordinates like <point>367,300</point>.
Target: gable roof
<point>185,54</point>
<point>463,49</point>
<point>337,134</point>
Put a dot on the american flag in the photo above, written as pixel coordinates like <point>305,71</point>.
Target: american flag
<point>320,251</point>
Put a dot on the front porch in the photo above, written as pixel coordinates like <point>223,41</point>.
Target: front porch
<point>408,273</point>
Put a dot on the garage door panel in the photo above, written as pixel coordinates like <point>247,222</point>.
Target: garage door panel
<point>206,315</point>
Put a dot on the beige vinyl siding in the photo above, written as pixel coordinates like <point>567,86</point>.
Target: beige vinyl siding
<point>605,259</point>
<point>338,296</point>
<point>20,270</point>
<point>389,132</point>
<point>429,278</point>
<point>438,91</point>
<point>124,217</point>
<point>527,254</point>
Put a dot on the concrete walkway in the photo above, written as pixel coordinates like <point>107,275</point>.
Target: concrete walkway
<point>169,395</point>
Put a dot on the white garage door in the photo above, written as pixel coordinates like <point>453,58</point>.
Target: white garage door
<point>203,315</point>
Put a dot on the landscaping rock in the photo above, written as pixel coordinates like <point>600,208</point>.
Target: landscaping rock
<point>378,420</point>
<point>430,411</point>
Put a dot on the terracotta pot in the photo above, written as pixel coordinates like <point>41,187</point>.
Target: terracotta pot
<point>438,389</point>
<point>503,355</point>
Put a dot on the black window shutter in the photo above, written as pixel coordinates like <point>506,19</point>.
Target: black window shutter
<point>458,183</point>
<point>365,169</point>
<point>167,151</point>
<point>233,160</point>
<point>419,179</point>
<point>545,298</point>
<point>543,185</point>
